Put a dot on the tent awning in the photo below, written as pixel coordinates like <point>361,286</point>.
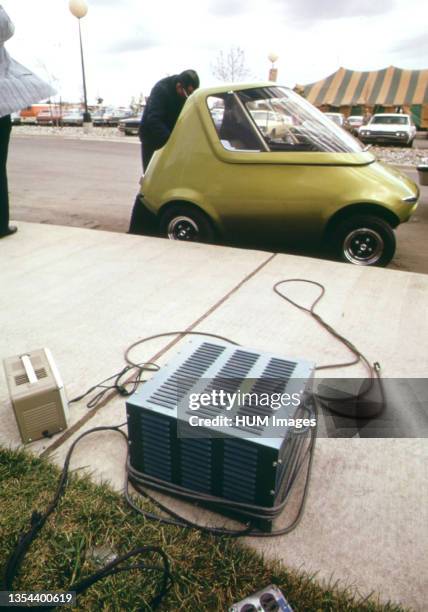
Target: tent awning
<point>388,87</point>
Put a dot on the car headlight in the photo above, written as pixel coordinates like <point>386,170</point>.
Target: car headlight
<point>401,134</point>
<point>411,199</point>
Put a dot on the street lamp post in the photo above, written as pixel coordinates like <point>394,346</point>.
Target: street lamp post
<point>273,72</point>
<point>79,8</point>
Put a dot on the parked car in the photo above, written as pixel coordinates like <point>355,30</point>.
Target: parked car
<point>231,183</point>
<point>73,118</point>
<point>389,128</point>
<point>49,116</point>
<point>353,123</point>
<point>29,115</point>
<point>111,117</point>
<point>98,118</point>
<point>271,124</point>
<point>131,125</point>
<point>16,118</point>
<point>338,118</point>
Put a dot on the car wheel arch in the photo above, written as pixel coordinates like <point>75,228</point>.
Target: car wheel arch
<point>361,209</point>
<point>192,206</point>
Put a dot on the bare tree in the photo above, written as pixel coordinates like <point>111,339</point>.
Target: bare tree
<point>137,104</point>
<point>230,66</point>
<point>54,82</point>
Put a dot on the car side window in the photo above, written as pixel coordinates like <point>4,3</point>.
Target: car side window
<point>232,125</point>
<point>288,123</point>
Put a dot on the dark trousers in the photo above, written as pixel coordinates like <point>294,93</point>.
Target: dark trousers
<point>147,151</point>
<point>5,129</point>
<point>142,221</point>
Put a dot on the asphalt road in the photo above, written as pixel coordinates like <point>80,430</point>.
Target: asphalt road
<point>93,184</point>
<point>82,183</point>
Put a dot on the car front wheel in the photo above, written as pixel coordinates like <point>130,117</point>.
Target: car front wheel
<point>364,240</point>
<point>186,224</point>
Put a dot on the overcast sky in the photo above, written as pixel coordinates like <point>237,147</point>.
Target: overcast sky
<point>130,44</point>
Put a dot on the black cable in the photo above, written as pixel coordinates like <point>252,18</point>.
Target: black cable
<point>38,520</point>
<point>340,405</point>
<point>118,385</point>
<point>311,311</point>
<point>172,333</point>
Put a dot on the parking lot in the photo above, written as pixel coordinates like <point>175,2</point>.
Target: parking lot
<point>92,184</point>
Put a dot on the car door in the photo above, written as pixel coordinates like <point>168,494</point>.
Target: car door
<point>273,189</point>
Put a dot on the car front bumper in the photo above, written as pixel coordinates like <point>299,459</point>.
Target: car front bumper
<point>385,138</point>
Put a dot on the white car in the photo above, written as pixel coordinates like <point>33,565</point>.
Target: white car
<point>389,128</point>
<point>73,118</point>
<point>274,125</point>
<point>338,118</point>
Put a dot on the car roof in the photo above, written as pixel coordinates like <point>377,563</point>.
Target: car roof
<point>227,87</point>
<point>391,115</point>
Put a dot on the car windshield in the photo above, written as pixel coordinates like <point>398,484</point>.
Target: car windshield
<point>277,119</point>
<point>390,120</point>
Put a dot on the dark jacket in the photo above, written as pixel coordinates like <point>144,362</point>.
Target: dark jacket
<point>161,113</point>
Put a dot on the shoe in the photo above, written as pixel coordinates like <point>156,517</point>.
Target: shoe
<point>12,229</point>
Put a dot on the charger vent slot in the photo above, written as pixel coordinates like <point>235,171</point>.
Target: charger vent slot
<point>22,379</point>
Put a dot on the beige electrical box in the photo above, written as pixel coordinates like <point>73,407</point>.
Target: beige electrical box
<point>37,394</point>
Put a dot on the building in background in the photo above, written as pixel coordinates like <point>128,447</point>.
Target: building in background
<point>359,93</point>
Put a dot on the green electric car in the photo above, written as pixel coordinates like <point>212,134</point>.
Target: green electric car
<point>258,164</point>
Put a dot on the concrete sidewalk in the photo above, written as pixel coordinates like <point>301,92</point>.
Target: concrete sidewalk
<point>88,295</point>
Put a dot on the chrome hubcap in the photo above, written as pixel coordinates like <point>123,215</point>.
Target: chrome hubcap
<point>363,246</point>
<point>182,228</point>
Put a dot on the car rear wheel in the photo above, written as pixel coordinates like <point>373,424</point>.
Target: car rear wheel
<point>364,240</point>
<point>187,224</point>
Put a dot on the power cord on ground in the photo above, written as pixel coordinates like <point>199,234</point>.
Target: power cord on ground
<point>114,567</point>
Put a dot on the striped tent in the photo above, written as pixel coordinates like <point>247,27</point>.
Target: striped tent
<point>388,87</point>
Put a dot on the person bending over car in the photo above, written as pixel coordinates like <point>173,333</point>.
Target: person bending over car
<point>160,115</point>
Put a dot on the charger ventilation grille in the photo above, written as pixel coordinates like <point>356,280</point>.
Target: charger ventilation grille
<point>183,379</point>
<point>41,417</point>
<point>156,445</point>
<point>22,379</point>
<point>274,379</point>
<point>196,464</point>
<point>239,471</point>
<point>229,378</point>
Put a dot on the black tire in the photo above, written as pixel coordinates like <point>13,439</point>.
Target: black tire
<point>187,224</point>
<point>364,240</point>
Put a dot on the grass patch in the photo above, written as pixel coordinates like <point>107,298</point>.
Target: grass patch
<point>210,573</point>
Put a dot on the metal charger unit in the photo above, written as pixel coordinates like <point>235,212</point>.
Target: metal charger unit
<point>269,599</point>
<point>37,394</point>
<point>243,469</point>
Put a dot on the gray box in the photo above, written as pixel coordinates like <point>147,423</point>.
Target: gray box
<point>241,463</point>
<point>37,394</point>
